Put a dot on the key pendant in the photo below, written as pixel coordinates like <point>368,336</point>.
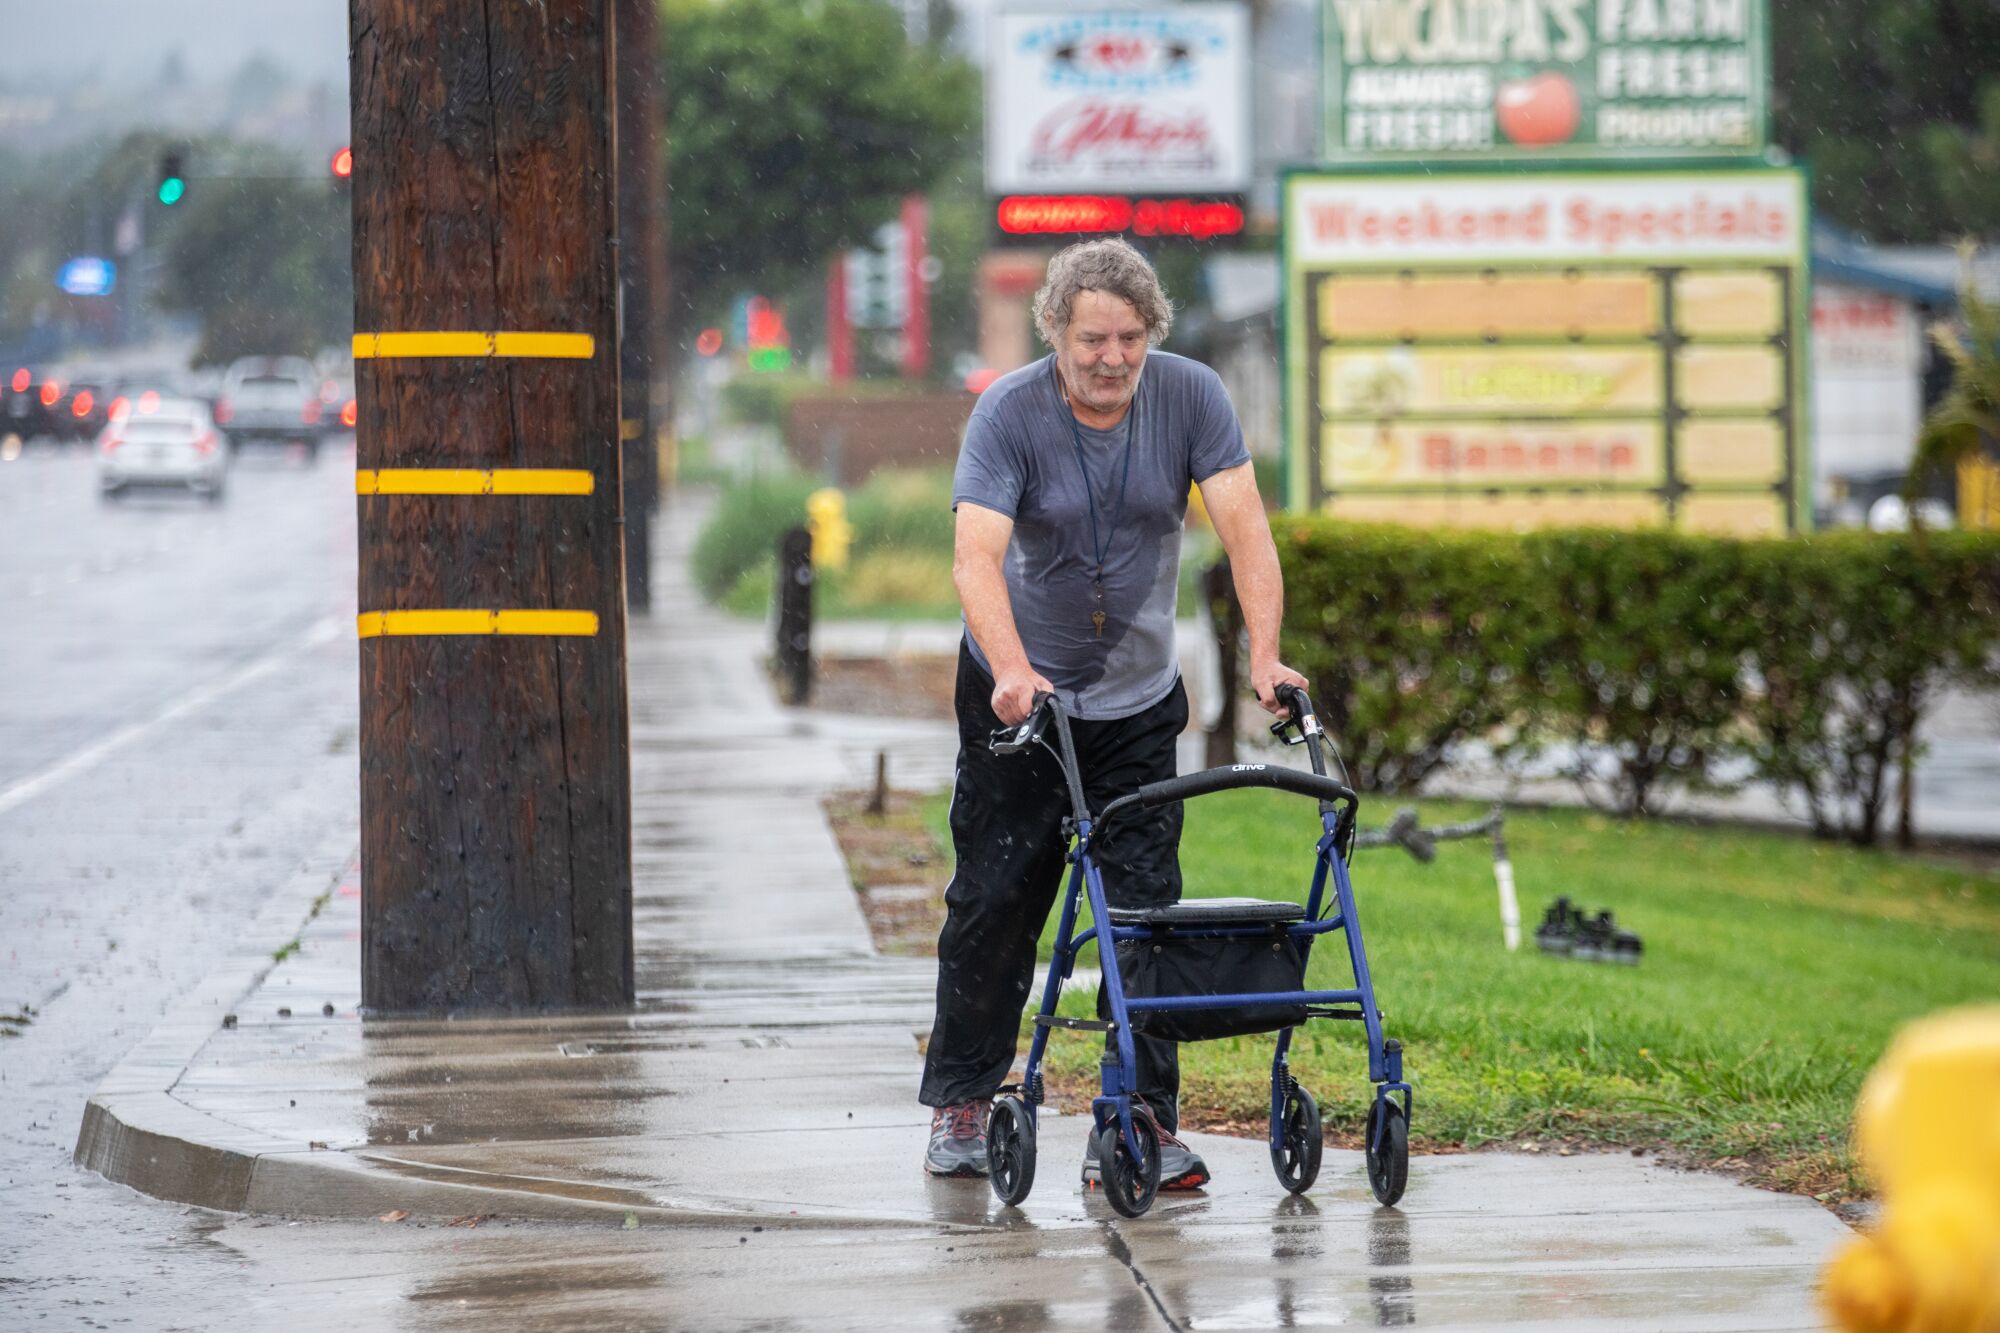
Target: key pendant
<point>1097,619</point>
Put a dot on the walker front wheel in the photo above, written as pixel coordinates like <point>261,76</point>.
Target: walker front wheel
<point>1296,1155</point>
<point>1129,1185</point>
<point>1388,1151</point>
<point>1010,1150</point>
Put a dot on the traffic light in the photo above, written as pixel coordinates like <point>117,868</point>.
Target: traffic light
<point>343,164</point>
<point>173,182</point>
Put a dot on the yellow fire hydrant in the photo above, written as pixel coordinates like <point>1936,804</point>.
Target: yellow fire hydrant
<point>1928,1130</point>
<point>832,534</point>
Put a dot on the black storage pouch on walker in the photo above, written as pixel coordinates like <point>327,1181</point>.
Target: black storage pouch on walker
<point>1170,964</point>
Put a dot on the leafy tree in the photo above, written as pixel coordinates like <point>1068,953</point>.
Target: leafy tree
<point>26,261</point>
<point>794,127</point>
<point>262,256</point>
<point>1861,86</point>
<point>1967,163</point>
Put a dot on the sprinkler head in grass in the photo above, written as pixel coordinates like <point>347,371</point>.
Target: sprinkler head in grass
<point>1557,933</point>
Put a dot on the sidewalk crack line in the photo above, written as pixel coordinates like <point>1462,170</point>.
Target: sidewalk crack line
<point>1123,1254</point>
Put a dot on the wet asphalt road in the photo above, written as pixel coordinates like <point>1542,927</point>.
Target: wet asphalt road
<point>177,686</point>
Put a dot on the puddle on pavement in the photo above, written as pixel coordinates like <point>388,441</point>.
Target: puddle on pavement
<point>504,1287</point>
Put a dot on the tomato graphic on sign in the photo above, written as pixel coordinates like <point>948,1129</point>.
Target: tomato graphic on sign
<point>1538,111</point>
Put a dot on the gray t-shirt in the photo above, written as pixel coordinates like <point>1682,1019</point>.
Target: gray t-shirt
<point>1020,459</point>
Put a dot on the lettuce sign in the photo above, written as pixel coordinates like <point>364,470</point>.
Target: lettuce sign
<point>1545,79</point>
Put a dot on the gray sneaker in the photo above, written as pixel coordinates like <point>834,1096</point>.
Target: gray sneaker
<point>958,1139</point>
<point>1181,1167</point>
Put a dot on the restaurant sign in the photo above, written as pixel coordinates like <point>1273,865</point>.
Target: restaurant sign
<point>1127,101</point>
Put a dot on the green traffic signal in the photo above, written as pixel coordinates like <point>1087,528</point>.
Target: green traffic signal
<point>173,180</point>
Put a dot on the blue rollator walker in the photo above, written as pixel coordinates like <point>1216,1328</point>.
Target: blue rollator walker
<point>1190,943</point>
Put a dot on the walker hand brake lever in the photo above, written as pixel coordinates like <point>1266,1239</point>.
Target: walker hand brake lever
<point>1013,740</point>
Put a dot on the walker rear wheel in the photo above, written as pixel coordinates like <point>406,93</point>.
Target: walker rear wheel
<point>1010,1150</point>
<point>1388,1151</point>
<point>1296,1156</point>
<point>1129,1185</point>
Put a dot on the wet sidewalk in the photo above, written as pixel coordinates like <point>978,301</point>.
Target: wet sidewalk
<point>761,1100</point>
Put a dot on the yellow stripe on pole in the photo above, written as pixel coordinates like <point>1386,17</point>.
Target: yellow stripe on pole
<point>379,624</point>
<point>473,481</point>
<point>562,346</point>
<point>558,346</point>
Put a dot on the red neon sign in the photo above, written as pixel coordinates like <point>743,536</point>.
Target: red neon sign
<point>1185,217</point>
<point>1060,214</point>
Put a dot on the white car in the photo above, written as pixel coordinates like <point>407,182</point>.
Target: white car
<point>157,441</point>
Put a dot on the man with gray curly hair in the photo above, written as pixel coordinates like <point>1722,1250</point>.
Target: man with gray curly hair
<point>1071,494</point>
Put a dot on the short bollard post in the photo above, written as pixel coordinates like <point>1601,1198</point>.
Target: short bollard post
<point>795,589</point>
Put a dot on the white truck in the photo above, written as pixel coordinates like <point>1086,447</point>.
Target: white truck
<point>272,398</point>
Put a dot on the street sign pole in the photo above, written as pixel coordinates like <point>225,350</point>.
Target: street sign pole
<point>642,281</point>
<point>495,784</point>
<point>916,293</point>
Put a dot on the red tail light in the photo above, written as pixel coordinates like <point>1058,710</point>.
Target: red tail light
<point>81,405</point>
<point>149,403</point>
<point>349,414</point>
<point>224,411</point>
<point>204,443</point>
<point>311,412</point>
<point>50,392</point>
<point>121,407</point>
<point>21,380</point>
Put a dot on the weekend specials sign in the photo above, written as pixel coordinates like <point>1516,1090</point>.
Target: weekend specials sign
<point>1129,101</point>
<point>1505,349</point>
<point>1544,79</point>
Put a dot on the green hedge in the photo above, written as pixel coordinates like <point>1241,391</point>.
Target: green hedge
<point>1661,654</point>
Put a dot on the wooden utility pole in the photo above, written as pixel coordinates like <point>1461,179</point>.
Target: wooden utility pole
<point>642,278</point>
<point>495,785</point>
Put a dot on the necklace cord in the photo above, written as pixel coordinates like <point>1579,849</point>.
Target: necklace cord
<point>1099,546</point>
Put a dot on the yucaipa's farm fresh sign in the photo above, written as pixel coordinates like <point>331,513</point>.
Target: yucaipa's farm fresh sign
<point>1438,79</point>
<point>1127,101</point>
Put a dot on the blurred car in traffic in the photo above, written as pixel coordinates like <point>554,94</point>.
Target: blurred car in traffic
<point>162,442</point>
<point>84,409</point>
<point>272,398</point>
<point>337,397</point>
<point>29,401</point>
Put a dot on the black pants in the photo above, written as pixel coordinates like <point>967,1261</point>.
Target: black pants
<point>1006,826</point>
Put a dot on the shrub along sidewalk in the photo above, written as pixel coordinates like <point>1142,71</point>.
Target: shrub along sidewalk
<point>1776,969</point>
<point>1812,658</point>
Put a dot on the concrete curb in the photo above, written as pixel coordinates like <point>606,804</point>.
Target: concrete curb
<point>135,1131</point>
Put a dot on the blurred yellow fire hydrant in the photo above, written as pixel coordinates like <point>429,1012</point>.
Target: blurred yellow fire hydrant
<point>1928,1130</point>
<point>832,534</point>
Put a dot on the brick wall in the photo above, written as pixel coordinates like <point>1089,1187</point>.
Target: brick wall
<point>848,437</point>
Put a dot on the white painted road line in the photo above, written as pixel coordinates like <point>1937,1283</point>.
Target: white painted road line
<point>97,751</point>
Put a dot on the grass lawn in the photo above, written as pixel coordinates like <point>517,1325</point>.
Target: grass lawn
<point>1776,969</point>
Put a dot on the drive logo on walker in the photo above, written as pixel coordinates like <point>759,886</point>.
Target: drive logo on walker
<point>1246,768</point>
